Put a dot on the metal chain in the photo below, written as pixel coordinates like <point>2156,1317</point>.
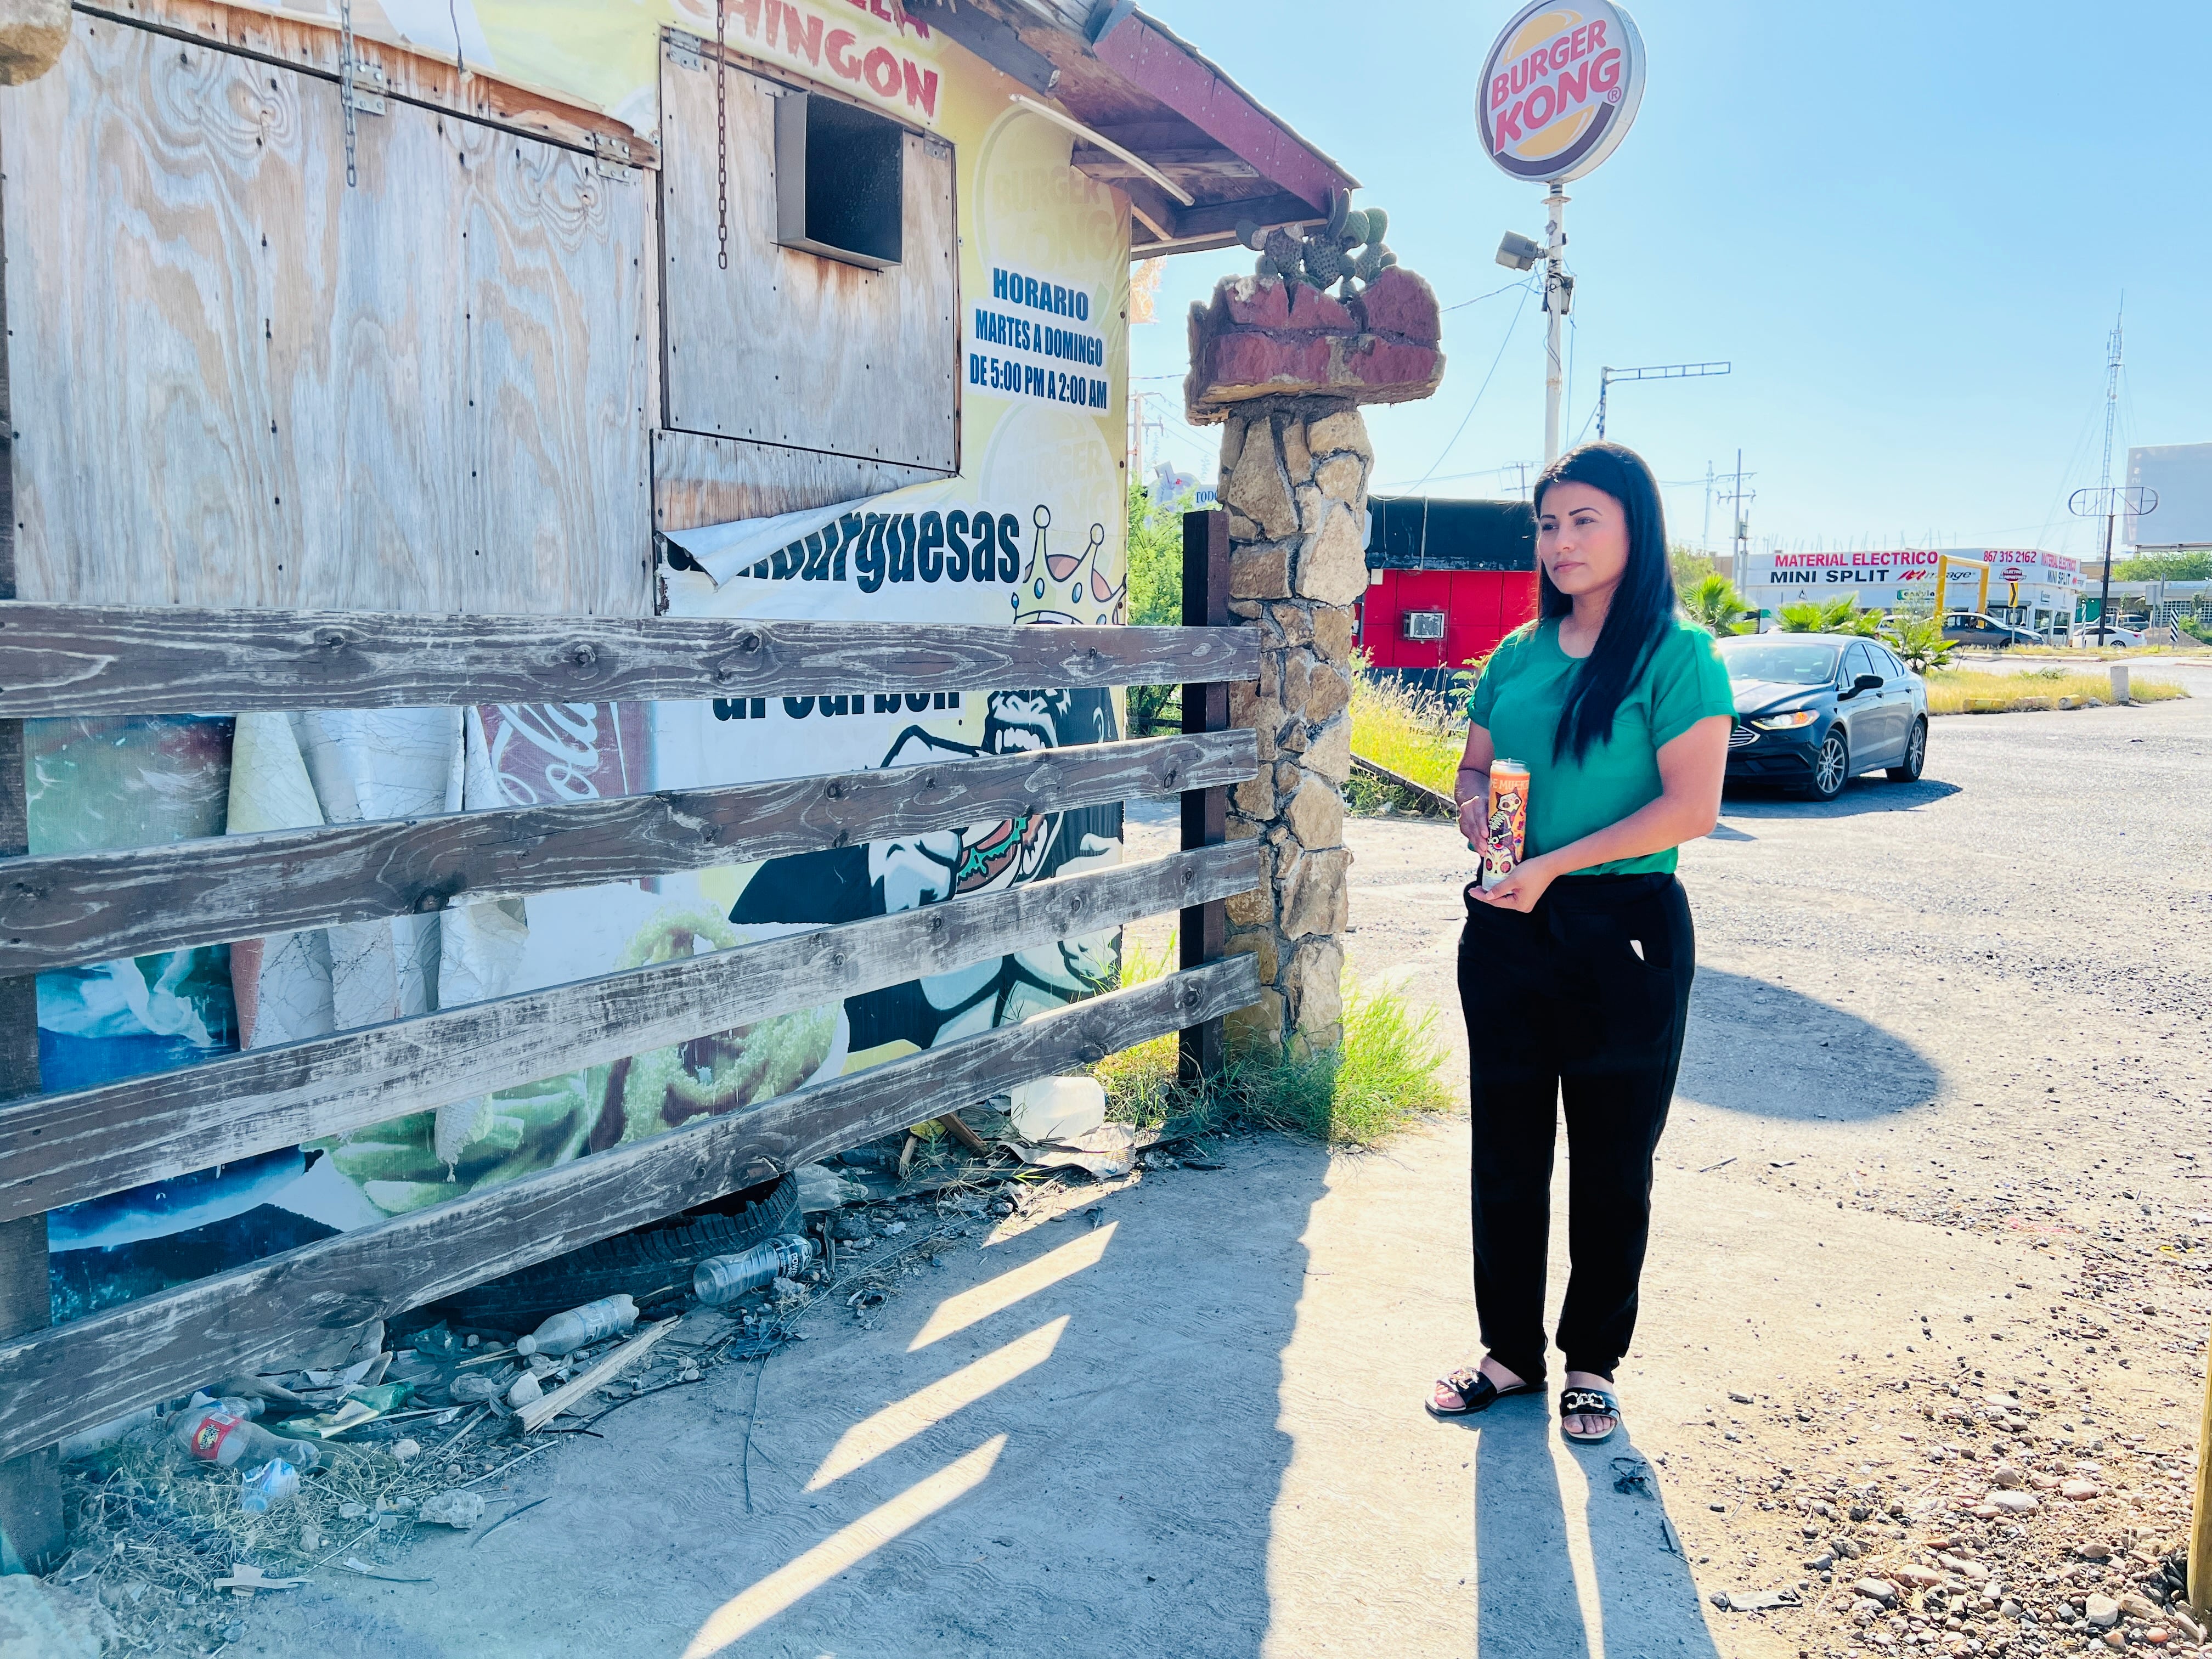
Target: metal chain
<point>721,147</point>
<point>345,81</point>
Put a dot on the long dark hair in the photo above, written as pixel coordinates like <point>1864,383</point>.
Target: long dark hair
<point>1642,606</point>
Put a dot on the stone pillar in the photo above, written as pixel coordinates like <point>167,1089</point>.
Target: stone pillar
<point>1294,484</point>
<point>32,35</point>
<point>1284,367</point>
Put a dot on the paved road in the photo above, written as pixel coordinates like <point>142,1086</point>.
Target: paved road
<point>1949,1038</point>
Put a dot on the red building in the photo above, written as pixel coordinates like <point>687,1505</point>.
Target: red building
<point>1446,581</point>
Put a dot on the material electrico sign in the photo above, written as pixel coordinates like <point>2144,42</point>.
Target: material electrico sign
<point>1560,90</point>
<point>1880,579</point>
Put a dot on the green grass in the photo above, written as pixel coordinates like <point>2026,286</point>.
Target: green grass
<point>1417,734</point>
<point>1968,691</point>
<point>1385,1075</point>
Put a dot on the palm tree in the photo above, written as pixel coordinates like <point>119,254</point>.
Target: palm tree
<point>1920,642</point>
<point>1817,617</point>
<point>1716,606</point>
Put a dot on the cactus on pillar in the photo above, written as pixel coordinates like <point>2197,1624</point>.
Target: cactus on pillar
<point>1326,256</point>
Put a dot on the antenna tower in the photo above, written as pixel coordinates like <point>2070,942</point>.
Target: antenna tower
<point>2111,393</point>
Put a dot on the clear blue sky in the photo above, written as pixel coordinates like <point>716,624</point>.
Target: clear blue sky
<point>1908,227</point>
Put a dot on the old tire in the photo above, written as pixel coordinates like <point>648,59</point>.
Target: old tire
<point>640,1263</point>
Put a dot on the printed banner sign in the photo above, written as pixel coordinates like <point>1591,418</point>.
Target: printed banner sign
<point>1031,339</point>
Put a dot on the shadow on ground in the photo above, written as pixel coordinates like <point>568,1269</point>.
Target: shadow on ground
<point>1067,1442</point>
<point>1569,1539</point>
<point>1762,1049</point>
<point>1747,799</point>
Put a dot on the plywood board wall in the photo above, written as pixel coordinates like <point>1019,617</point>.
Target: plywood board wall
<point>240,382</point>
<point>699,480</point>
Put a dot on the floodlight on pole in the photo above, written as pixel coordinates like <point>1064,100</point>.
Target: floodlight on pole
<point>1605,377</point>
<point>2108,502</point>
<point>1519,252</point>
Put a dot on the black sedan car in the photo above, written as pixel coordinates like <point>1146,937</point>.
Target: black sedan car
<point>1814,709</point>
<point>1971,627</point>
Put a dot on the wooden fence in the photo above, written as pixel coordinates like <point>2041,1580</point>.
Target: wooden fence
<point>58,911</point>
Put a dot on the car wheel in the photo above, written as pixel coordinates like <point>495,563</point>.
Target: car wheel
<point>1916,755</point>
<point>1831,767</point>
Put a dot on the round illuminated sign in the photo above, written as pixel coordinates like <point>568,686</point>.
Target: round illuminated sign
<point>1559,89</point>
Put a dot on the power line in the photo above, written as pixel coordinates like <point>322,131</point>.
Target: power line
<point>1452,477</point>
<point>1525,287</point>
<point>1479,298</point>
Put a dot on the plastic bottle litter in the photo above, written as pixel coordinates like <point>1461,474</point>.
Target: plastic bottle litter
<point>274,1483</point>
<point>226,1438</point>
<point>1058,1107</point>
<point>580,1327</point>
<point>725,1278</point>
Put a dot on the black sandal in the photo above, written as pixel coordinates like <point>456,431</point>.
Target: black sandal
<point>1476,1392</point>
<point>1588,1402</point>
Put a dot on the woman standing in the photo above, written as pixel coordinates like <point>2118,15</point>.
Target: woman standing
<point>1574,970</point>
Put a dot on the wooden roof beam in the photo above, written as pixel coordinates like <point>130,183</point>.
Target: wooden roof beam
<point>1183,164</point>
<point>1173,73</point>
<point>991,38</point>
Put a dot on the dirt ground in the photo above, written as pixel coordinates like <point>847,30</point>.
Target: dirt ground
<point>1931,1226</point>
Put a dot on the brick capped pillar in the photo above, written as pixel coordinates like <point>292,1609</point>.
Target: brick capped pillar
<point>1294,484</point>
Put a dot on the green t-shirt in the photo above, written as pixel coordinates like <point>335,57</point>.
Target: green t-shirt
<point>1518,701</point>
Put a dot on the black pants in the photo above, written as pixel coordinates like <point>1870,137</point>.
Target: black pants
<point>1582,1000</point>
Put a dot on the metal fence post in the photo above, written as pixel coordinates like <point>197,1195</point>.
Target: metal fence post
<point>1204,927</point>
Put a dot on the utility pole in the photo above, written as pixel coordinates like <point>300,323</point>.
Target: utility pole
<point>1743,523</point>
<point>1559,299</point>
<point>1705,536</point>
<point>1740,543</point>
<point>1137,437</point>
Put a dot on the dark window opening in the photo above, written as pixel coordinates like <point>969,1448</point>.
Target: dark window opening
<point>839,181</point>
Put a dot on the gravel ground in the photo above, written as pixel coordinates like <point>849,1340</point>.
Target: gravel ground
<point>1977,1005</point>
<point>1919,1368</point>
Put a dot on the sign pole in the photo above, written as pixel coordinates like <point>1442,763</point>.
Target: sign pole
<point>2104,591</point>
<point>1559,293</point>
<point>1557,93</point>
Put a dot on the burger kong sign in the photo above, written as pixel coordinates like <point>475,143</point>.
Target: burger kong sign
<point>1559,89</point>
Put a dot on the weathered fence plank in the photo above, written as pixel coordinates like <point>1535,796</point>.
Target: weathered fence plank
<point>78,1375</point>
<point>64,1148</point>
<point>148,660</point>
<point>97,907</point>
